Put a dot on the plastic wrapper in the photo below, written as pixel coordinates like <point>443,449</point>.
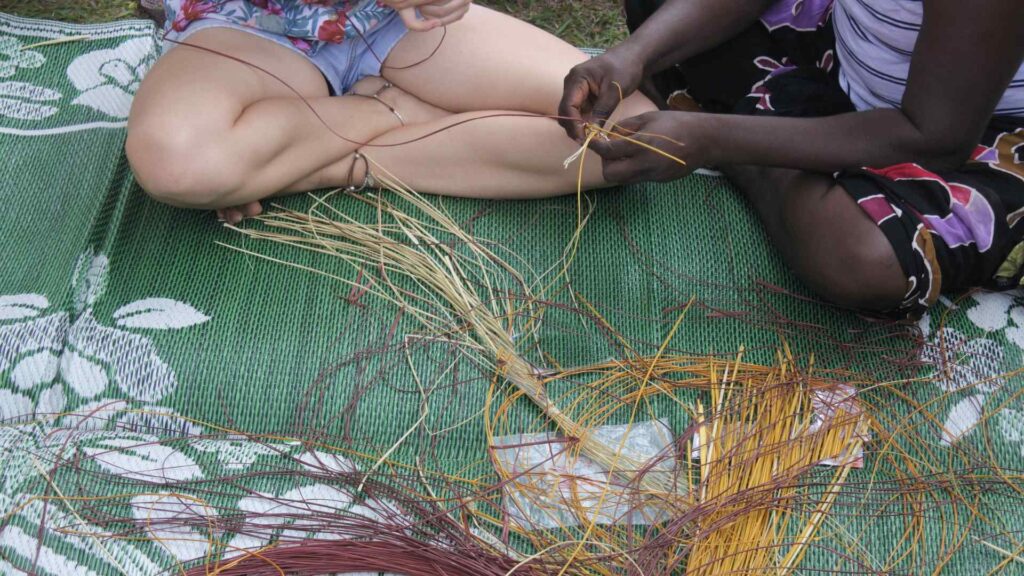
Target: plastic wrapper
<point>551,485</point>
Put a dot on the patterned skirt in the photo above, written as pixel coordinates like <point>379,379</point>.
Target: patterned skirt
<point>951,231</point>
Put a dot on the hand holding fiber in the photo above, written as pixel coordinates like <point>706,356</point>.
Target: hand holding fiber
<point>594,89</point>
<point>656,146</point>
<point>425,15</point>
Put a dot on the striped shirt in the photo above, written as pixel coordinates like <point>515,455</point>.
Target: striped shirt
<point>874,42</point>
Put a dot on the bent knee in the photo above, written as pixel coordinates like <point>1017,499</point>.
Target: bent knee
<point>865,277</point>
<point>179,167</point>
<point>845,257</point>
<point>634,105</point>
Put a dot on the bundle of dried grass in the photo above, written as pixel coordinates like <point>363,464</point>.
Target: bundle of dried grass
<point>755,440</point>
<point>767,429</point>
<point>459,294</point>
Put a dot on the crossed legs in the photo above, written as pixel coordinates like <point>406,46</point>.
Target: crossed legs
<point>211,132</point>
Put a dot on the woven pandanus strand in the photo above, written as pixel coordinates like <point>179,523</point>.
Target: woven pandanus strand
<point>520,373</point>
<point>459,294</point>
<point>425,259</point>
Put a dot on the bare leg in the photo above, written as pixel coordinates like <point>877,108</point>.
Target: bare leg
<point>493,157</point>
<point>487,63</point>
<point>207,131</point>
<point>824,237</point>
<point>232,134</point>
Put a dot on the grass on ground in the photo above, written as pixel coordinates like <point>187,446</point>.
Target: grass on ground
<point>579,22</point>
<point>597,23</point>
<point>81,11</point>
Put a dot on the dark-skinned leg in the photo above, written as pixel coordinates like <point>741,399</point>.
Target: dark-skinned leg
<point>824,237</point>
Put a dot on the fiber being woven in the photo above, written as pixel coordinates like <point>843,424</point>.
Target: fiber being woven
<point>168,403</point>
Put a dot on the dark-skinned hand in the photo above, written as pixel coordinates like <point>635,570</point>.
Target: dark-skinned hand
<point>594,88</point>
<point>675,133</point>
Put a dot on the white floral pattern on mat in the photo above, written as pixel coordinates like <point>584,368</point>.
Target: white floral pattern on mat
<point>1011,423</point>
<point>22,306</point>
<point>975,365</point>
<point>299,514</point>
<point>160,469</point>
<point>963,365</point>
<point>108,79</point>
<point>51,358</point>
<point>23,450</point>
<point>13,56</point>
<point>85,81</point>
<point>1000,311</point>
<point>141,457</point>
<point>23,101</point>
<point>233,453</point>
<point>49,349</point>
<point>167,518</point>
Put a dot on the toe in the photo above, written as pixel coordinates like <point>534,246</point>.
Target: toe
<point>252,209</point>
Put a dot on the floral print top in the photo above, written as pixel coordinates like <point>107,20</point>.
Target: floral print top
<point>308,24</point>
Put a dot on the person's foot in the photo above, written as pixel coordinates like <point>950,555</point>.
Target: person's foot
<point>235,214</point>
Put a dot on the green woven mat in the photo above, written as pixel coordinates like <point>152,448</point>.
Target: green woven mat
<point>128,312</point>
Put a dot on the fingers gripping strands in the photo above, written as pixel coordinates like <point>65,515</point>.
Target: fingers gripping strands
<point>593,131</point>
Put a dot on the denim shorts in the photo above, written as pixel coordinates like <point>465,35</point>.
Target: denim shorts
<point>341,64</point>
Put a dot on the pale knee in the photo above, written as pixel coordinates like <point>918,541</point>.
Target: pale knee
<point>176,167</point>
<point>635,105</point>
